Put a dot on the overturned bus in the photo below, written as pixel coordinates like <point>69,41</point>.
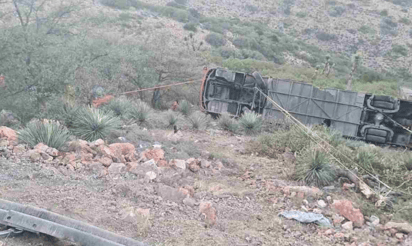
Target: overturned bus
<point>371,118</point>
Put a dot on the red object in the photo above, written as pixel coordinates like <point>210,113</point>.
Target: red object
<point>100,101</point>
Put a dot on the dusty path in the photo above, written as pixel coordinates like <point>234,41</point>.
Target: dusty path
<point>246,213</point>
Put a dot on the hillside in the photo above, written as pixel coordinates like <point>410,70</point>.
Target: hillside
<point>137,166</point>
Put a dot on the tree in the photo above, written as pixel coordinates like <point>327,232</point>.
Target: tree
<point>356,58</point>
<point>171,61</point>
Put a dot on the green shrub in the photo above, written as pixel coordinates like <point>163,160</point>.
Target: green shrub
<point>91,124</point>
<point>184,107</point>
<point>172,118</point>
<point>119,107</point>
<point>323,36</point>
<point>117,4</point>
<point>384,12</point>
<point>366,30</point>
<point>140,112</point>
<point>51,134</point>
<point>301,14</point>
<point>251,122</point>
<point>199,120</point>
<point>313,167</point>
<point>400,50</point>
<point>388,27</point>
<point>190,27</point>
<point>215,39</point>
<point>405,21</point>
<point>227,123</point>
<point>337,11</point>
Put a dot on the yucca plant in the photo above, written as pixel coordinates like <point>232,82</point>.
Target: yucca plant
<point>172,118</point>
<point>199,120</point>
<point>251,123</point>
<point>313,167</point>
<point>184,107</point>
<point>227,123</point>
<point>140,112</point>
<point>92,124</point>
<point>51,134</point>
<point>119,107</point>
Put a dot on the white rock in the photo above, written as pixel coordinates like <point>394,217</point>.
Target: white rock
<point>374,220</point>
<point>180,164</point>
<point>151,175</point>
<point>322,204</point>
<point>348,226</point>
<point>317,211</point>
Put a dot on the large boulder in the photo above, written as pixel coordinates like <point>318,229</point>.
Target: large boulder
<point>208,213</point>
<point>123,151</point>
<point>153,154</point>
<point>8,134</point>
<point>402,227</point>
<point>346,209</point>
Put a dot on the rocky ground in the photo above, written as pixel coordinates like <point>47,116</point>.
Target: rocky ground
<point>221,196</point>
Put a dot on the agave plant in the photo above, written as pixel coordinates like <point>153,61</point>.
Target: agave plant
<point>119,107</point>
<point>172,118</point>
<point>199,120</point>
<point>52,134</point>
<point>226,122</point>
<point>313,167</point>
<point>184,108</point>
<point>140,112</point>
<point>92,124</point>
<point>251,123</point>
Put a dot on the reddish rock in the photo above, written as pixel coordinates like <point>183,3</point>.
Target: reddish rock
<point>52,152</point>
<point>8,134</point>
<point>193,164</point>
<point>96,143</point>
<point>106,151</point>
<point>106,161</point>
<point>86,158</point>
<point>347,186</point>
<point>339,235</point>
<point>70,159</point>
<point>116,168</point>
<point>103,100</point>
<point>162,163</point>
<point>81,146</point>
<point>219,165</point>
<point>205,163</point>
<point>41,148</point>
<point>208,213</point>
<point>19,149</point>
<point>123,151</point>
<point>345,208</point>
<point>46,157</point>
<point>181,164</point>
<point>329,232</point>
<point>153,154</point>
<point>187,190</point>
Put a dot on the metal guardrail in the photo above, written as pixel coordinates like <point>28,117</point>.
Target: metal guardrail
<point>27,218</point>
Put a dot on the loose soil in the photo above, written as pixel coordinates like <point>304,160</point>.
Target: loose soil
<point>243,193</point>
